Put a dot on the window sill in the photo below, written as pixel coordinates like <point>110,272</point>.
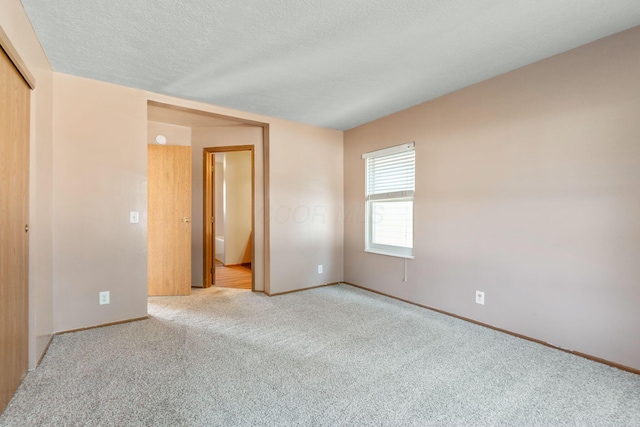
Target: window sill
<point>387,253</point>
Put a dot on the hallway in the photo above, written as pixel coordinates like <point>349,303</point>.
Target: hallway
<point>235,276</point>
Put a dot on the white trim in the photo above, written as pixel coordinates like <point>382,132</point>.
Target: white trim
<point>387,253</point>
<point>397,196</point>
<point>390,150</point>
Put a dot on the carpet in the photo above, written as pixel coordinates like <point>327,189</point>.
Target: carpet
<point>330,356</point>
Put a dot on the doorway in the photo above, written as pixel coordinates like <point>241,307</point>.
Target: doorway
<point>201,129</point>
<point>229,220</point>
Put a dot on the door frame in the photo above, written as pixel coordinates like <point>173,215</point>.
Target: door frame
<point>208,189</point>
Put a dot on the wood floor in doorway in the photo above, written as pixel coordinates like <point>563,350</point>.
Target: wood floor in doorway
<point>236,276</point>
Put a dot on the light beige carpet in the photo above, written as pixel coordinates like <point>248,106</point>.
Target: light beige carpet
<point>325,357</point>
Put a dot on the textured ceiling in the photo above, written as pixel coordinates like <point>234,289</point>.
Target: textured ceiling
<point>331,63</point>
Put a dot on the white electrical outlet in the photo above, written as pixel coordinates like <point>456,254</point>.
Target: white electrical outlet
<point>480,297</point>
<point>134,217</point>
<point>104,297</point>
<point>320,269</point>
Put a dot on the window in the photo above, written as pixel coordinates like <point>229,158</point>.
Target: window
<point>390,187</point>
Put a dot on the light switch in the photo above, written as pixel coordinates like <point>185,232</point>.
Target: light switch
<point>134,217</point>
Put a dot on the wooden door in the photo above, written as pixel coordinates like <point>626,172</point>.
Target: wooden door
<point>169,220</point>
<point>14,216</point>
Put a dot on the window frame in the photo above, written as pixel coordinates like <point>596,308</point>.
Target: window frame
<point>394,196</point>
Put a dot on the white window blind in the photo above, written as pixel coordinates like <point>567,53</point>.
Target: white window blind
<point>390,187</point>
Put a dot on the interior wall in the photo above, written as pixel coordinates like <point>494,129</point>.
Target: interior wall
<point>176,135</point>
<point>526,189</point>
<point>237,178</point>
<point>305,203</point>
<point>16,25</point>
<point>99,175</point>
<point>219,193</point>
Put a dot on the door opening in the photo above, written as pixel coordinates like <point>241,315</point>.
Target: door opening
<point>229,217</point>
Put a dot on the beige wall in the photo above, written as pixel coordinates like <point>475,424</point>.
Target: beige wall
<point>16,25</point>
<point>100,174</point>
<point>526,189</point>
<point>237,178</point>
<point>176,135</point>
<point>219,191</point>
<point>306,181</point>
